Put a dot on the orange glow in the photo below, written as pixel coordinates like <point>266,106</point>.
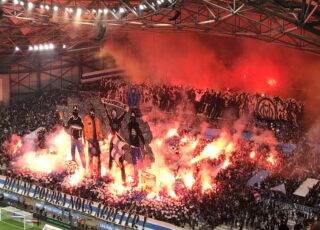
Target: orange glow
<point>159,142</point>
<point>43,163</point>
<point>271,159</point>
<point>206,187</point>
<point>173,194</point>
<point>119,188</point>
<point>229,148</point>
<point>172,132</point>
<point>185,139</point>
<point>272,82</point>
<point>226,164</point>
<point>76,178</point>
<point>151,195</point>
<point>188,180</point>
<point>214,150</point>
<point>129,179</point>
<point>17,146</point>
<point>103,170</point>
<point>160,177</point>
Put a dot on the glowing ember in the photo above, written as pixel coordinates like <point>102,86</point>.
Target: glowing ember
<point>252,154</point>
<point>206,187</point>
<point>271,159</point>
<point>272,82</point>
<point>76,178</point>
<point>151,195</point>
<point>214,150</point>
<point>226,164</point>
<point>43,165</point>
<point>119,188</point>
<point>229,148</point>
<point>185,139</point>
<point>103,170</point>
<point>129,179</point>
<point>159,142</point>
<point>188,180</point>
<point>173,194</point>
<point>172,133</point>
<point>61,138</point>
<point>17,147</point>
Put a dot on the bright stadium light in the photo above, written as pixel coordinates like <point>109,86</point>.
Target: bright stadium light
<point>100,11</point>
<point>55,8</point>
<point>41,6</point>
<point>105,11</point>
<point>121,10</point>
<point>79,11</point>
<point>142,7</point>
<point>16,2</point>
<point>21,3</point>
<point>30,48</point>
<point>17,48</point>
<point>46,47</point>
<point>64,46</point>
<point>47,7</point>
<point>35,48</point>
<point>30,5</point>
<point>41,47</point>
<point>51,46</point>
<point>159,2</point>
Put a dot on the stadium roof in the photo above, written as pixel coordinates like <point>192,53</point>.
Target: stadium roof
<point>73,25</point>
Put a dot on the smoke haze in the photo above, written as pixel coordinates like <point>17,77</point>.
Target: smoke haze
<point>207,61</point>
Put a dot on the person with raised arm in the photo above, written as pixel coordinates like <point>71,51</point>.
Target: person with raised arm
<point>115,125</point>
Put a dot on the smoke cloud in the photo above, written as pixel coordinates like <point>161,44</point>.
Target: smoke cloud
<point>207,61</point>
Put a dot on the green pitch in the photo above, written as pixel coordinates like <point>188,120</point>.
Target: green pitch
<point>14,225</point>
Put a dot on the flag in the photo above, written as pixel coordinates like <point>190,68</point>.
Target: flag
<point>279,188</point>
<point>258,178</point>
<point>257,196</point>
<point>117,151</point>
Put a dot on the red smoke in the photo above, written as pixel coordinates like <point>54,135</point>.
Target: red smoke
<point>203,61</point>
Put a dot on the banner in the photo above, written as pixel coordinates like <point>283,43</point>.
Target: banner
<point>293,206</point>
<point>101,74</point>
<point>100,211</point>
<point>111,102</point>
<point>279,188</point>
<point>304,188</point>
<point>258,178</point>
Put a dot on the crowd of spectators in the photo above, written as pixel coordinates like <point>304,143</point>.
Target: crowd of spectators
<point>231,202</point>
<point>284,116</point>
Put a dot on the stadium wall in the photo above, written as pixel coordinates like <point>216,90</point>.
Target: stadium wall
<point>47,72</point>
